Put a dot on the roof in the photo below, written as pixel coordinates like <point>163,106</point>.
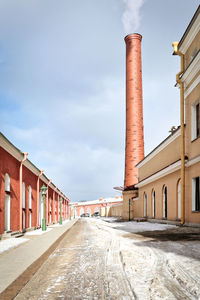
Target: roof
<point>165,140</point>
<point>19,155</point>
<point>189,26</point>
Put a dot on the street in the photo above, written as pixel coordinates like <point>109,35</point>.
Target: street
<point>120,260</point>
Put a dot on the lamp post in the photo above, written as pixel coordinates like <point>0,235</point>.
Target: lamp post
<point>60,210</point>
<point>43,191</point>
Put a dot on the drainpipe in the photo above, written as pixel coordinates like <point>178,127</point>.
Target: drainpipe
<point>181,84</point>
<point>20,190</point>
<point>38,197</point>
<point>47,204</point>
<point>54,206</point>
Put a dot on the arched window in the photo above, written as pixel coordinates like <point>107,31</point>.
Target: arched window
<point>153,203</point>
<point>7,183</point>
<point>89,211</point>
<point>145,205</point>
<point>30,197</point>
<point>179,199</point>
<point>81,211</point>
<point>164,201</point>
<point>23,195</point>
<point>96,209</point>
<point>7,203</point>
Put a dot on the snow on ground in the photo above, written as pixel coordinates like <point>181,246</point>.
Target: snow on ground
<point>38,231</point>
<point>135,227</point>
<point>58,224</point>
<point>163,265</point>
<point>11,243</point>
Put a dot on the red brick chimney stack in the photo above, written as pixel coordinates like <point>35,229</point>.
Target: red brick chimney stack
<point>134,109</point>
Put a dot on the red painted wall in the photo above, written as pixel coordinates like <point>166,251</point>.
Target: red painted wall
<point>10,166</point>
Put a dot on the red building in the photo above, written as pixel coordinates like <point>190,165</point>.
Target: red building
<point>102,206</point>
<point>21,203</point>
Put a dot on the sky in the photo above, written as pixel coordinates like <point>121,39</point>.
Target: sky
<point>62,84</point>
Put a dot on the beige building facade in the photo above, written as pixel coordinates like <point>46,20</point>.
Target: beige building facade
<point>159,193</point>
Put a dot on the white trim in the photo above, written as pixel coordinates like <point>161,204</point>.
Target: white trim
<point>7,183</point>
<point>193,161</point>
<point>8,147</point>
<point>160,148</point>
<point>192,87</point>
<point>166,171</point>
<point>192,70</point>
<point>30,197</point>
<point>23,195</point>
<point>135,199</point>
<point>190,35</point>
<point>97,202</point>
<point>193,193</point>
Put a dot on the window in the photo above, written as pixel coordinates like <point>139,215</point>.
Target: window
<point>179,199</point>
<point>23,195</point>
<point>195,119</point>
<point>30,197</point>
<point>145,205</point>
<point>7,183</point>
<point>165,202</point>
<point>153,204</point>
<point>196,194</point>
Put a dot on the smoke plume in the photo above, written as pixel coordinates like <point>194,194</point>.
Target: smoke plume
<point>131,17</point>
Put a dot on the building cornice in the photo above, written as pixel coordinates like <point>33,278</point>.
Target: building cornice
<point>168,170</point>
<point>190,34</point>
<point>164,172</point>
<point>97,202</point>
<point>192,70</point>
<point>193,161</point>
<point>192,87</point>
<point>19,155</point>
<point>159,148</point>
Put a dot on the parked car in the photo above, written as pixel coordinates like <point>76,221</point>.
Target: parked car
<point>96,214</point>
<point>85,215</point>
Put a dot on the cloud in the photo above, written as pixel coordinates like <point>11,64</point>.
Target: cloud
<point>131,17</point>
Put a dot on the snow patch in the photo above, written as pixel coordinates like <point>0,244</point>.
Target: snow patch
<point>38,231</point>
<point>11,243</point>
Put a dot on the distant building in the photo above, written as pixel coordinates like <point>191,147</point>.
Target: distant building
<point>102,206</point>
<point>21,204</point>
<point>168,187</point>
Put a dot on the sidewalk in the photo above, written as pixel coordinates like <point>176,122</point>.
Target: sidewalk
<point>15,261</point>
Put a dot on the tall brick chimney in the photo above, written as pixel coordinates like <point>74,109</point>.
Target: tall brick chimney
<point>134,109</point>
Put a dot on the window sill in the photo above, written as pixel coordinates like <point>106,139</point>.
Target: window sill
<point>196,138</point>
<point>195,211</point>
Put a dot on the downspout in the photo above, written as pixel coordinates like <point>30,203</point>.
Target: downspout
<point>20,190</point>
<point>47,204</point>
<point>181,84</point>
<point>54,206</point>
<point>38,198</point>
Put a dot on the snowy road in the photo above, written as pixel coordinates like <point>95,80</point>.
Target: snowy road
<point>120,260</point>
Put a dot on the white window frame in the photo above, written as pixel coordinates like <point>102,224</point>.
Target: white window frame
<point>194,120</point>
<point>23,195</point>
<point>30,197</point>
<point>7,183</point>
<point>194,194</point>
<point>153,202</point>
<point>145,205</point>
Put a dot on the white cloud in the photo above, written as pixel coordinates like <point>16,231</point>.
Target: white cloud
<point>131,17</point>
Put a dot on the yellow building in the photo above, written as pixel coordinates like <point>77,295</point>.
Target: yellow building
<point>169,176</point>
